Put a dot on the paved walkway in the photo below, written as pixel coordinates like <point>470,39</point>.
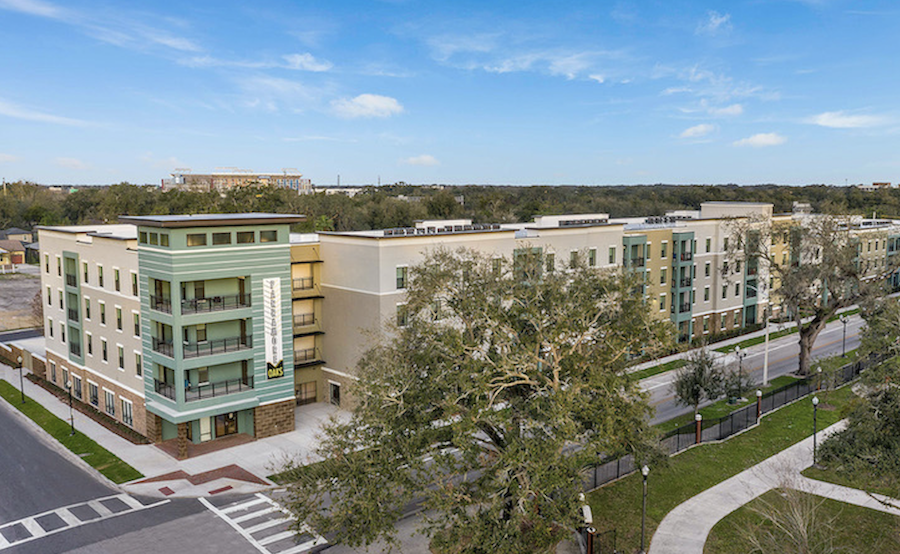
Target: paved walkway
<point>685,529</point>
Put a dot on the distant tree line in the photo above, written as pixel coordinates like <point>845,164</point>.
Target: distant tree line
<point>27,205</point>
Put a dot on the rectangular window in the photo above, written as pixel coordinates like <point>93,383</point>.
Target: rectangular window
<point>89,343</point>
<point>93,394</point>
<point>737,289</point>
<point>87,308</point>
<point>706,322</point>
<point>137,324</point>
<point>726,244</point>
<point>53,371</point>
<point>221,238</point>
<point>61,306</point>
<point>102,313</point>
<point>737,266</point>
<point>268,236</point>
<point>550,261</point>
<point>121,352</point>
<point>647,249</point>
<point>109,402</point>
<point>708,244</point>
<point>724,292</point>
<point>100,275</point>
<point>154,239</point>
<point>592,257</point>
<point>76,387</point>
<point>119,319</point>
<point>46,263</point>
<point>104,350</point>
<point>662,276</point>
<point>402,273</point>
<point>707,269</point>
<point>196,239</point>
<point>706,294</point>
<point>58,266</point>
<point>127,417</point>
<point>723,321</point>
<point>612,254</point>
<point>725,268</point>
<point>662,249</point>
<point>134,284</point>
<point>201,332</point>
<point>65,378</point>
<point>662,302</point>
<point>142,237</point>
<point>62,332</point>
<point>402,315</point>
<point>138,364</point>
<point>163,239</point>
<point>49,296</point>
<point>50,326</point>
<point>496,266</point>
<point>84,270</point>
<point>245,237</point>
<point>116,280</point>
<point>573,259</point>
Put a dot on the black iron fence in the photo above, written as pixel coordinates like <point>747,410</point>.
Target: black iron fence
<point>722,428</point>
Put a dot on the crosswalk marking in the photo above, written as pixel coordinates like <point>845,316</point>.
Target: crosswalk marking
<point>277,537</point>
<point>243,506</point>
<point>36,531</point>
<point>267,524</point>
<point>252,515</point>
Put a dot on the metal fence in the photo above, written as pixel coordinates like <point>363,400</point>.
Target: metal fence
<point>739,420</point>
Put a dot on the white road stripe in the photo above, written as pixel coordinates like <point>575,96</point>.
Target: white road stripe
<point>277,537</point>
<point>252,515</point>
<point>100,508</point>
<point>33,527</point>
<point>3,542</point>
<point>234,525</point>
<point>67,516</point>
<point>131,502</point>
<point>304,547</point>
<point>267,524</point>
<point>242,506</point>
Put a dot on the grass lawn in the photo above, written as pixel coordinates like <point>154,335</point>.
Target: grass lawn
<point>863,481</point>
<point>95,455</point>
<point>618,505</point>
<point>655,370</point>
<point>855,529</point>
<point>778,334</point>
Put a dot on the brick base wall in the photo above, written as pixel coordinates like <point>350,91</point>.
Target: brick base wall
<point>154,427</point>
<point>273,419</point>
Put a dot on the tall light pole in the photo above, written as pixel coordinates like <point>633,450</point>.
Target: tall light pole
<point>815,403</point>
<point>844,320</point>
<point>765,380</point>
<point>645,471</point>
<point>71,412</point>
<point>740,356</point>
<point>21,378</point>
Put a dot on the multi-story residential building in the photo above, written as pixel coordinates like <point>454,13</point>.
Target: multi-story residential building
<point>175,316</point>
<point>231,178</point>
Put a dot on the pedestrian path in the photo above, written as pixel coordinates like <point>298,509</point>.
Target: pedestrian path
<point>68,517</point>
<point>264,523</point>
<point>847,495</point>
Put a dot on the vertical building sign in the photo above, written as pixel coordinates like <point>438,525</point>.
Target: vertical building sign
<point>272,323</point>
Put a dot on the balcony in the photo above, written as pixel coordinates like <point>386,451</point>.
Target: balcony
<point>71,280</point>
<point>221,388</point>
<point>302,320</point>
<point>75,349</point>
<point>164,389</point>
<point>163,347</point>
<point>684,282</point>
<point>73,314</point>
<point>217,346</point>
<point>684,308</point>
<point>303,283</point>
<point>304,355</point>
<point>636,262</point>
<point>752,270</point>
<point>750,292</point>
<point>686,256</point>
<point>161,304</point>
<point>215,303</point>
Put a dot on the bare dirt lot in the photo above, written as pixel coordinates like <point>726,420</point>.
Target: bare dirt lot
<point>16,292</point>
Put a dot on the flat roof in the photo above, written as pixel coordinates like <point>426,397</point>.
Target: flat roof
<point>111,231</point>
<point>211,220</point>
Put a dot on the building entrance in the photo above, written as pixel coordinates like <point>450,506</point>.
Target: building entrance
<point>226,424</point>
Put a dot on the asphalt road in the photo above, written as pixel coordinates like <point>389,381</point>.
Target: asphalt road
<point>783,359</point>
<point>9,336</point>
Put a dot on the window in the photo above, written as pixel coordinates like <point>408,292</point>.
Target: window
<point>592,257</point>
<point>495,266</point>
<point>127,417</point>
<point>202,375</point>
<point>726,243</point>
<point>163,239</point>
<point>706,294</point>
<point>46,263</point>
<point>65,378</point>
<point>89,342</point>
<point>707,269</point>
<point>117,281</point>
<point>84,270</point>
<point>119,319</point>
<point>137,323</point>
<point>61,300</point>
<point>134,284</point>
<point>100,275</point>
<point>154,239</point>
<point>724,292</point>
<point>612,254</point>
<point>93,394</point>
<point>138,364</point>
<point>49,296</point>
<point>58,266</point>
<point>647,249</point>
<point>109,402</point>
<point>706,322</point>
<point>550,261</point>
<point>693,299</point>
<point>662,276</point>
<point>196,239</point>
<point>662,249</point>
<point>708,244</point>
<point>53,371</point>
<point>402,315</point>
<point>201,332</point>
<point>402,273</point>
<point>62,332</point>
<point>723,322</point>
<point>268,236</point>
<point>103,350</point>
<point>142,237</point>
<point>573,259</point>
<point>245,237</point>
<point>662,302</point>
<point>121,352</point>
<point>737,266</point>
<point>725,268</point>
<point>737,289</point>
<point>102,313</point>
<point>50,326</point>
<point>221,238</point>
<point>76,387</point>
<point>87,308</point>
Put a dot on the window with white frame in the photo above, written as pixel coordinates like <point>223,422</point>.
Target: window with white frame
<point>93,394</point>
<point>127,416</point>
<point>109,402</point>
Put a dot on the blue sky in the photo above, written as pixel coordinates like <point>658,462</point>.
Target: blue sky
<point>673,91</point>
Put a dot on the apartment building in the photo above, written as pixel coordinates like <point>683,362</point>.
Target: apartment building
<point>233,178</point>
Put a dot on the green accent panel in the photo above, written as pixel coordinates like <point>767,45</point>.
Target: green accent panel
<point>245,422</point>
<point>169,430</point>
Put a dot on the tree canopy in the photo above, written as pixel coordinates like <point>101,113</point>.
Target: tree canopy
<point>505,382</point>
<point>701,378</point>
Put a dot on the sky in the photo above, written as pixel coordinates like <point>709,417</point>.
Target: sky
<point>584,93</point>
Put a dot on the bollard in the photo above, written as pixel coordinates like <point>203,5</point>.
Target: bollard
<point>699,419</point>
<point>589,539</point>
<point>758,405</point>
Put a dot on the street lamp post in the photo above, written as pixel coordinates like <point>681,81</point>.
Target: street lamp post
<point>21,378</point>
<point>815,403</point>
<point>765,381</point>
<point>645,471</point>
<point>71,412</point>
<point>819,378</point>
<point>740,356</point>
<point>844,338</point>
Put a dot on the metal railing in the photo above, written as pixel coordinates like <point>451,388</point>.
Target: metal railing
<point>215,303</point>
<point>217,346</point>
<point>686,282</point>
<point>636,262</point>
<point>71,280</point>
<point>161,303</point>
<point>683,308</point>
<point>75,349</point>
<point>303,283</point>
<point>164,389</point>
<point>686,256</point>
<point>73,314</point>
<point>162,346</point>
<point>221,388</point>
<point>750,293</point>
<point>304,355</point>
<point>302,320</point>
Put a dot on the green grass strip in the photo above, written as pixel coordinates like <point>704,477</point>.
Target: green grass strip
<point>618,505</point>
<point>655,370</point>
<point>99,458</point>
<point>778,334</point>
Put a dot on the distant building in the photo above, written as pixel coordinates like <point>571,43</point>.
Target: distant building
<point>230,178</point>
<point>12,253</point>
<point>14,233</point>
<point>874,186</point>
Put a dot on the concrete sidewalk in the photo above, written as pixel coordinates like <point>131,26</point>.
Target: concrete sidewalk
<point>205,474</point>
<point>685,529</point>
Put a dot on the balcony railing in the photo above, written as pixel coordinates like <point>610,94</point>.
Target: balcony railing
<point>636,262</point>
<point>161,304</point>
<point>685,282</point>
<point>752,270</point>
<point>304,355</point>
<point>75,349</point>
<point>302,320</point>
<point>215,303</point>
<point>684,308</point>
<point>687,256</point>
<point>71,280</point>
<point>217,346</point>
<point>750,293</point>
<point>73,314</point>
<point>163,347</point>
<point>303,283</point>
<point>221,388</point>
<point>164,389</point>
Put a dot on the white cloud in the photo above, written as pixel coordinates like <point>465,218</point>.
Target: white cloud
<point>19,112</point>
<point>166,164</point>
<point>366,105</point>
<point>734,109</point>
<point>597,77</point>
<point>843,120</point>
<point>761,140</point>
<point>300,62</point>
<point>306,62</point>
<point>424,159</point>
<point>445,46</point>
<point>31,7</point>
<point>698,131</point>
<point>71,163</point>
<point>715,24</point>
<point>571,65</point>
<point>6,158</point>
